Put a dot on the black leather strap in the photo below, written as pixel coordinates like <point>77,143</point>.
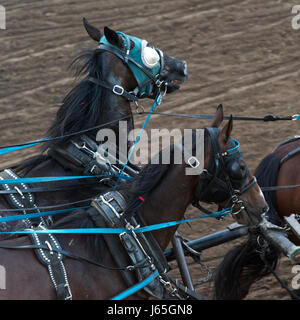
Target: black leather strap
<point>118,90</point>
<point>53,260</point>
<point>51,188</point>
<point>289,155</point>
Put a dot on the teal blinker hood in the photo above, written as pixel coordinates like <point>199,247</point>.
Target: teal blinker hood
<point>146,77</point>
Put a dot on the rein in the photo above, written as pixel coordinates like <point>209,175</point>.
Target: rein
<point>77,257</point>
<point>11,148</point>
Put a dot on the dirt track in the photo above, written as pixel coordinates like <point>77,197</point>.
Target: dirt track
<point>243,54</point>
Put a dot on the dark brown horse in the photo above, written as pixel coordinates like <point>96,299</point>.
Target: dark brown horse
<point>242,265</point>
<point>86,106</point>
<point>167,191</point>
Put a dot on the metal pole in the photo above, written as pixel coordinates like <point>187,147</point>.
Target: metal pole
<point>181,261</point>
<point>232,232</point>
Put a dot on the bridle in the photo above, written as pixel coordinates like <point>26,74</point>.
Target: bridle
<point>148,79</point>
<point>215,184</point>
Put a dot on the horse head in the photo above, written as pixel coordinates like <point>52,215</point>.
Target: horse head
<point>227,179</point>
<point>146,68</point>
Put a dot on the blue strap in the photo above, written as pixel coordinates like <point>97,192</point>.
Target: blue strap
<point>153,227</point>
<point>136,287</point>
<point>62,178</point>
<point>12,149</point>
<point>236,147</point>
<point>156,103</point>
<point>16,147</point>
<point>37,215</point>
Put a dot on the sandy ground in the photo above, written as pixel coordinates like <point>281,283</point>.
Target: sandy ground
<point>243,54</point>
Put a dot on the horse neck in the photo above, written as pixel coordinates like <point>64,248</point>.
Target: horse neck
<point>114,107</point>
<point>168,202</point>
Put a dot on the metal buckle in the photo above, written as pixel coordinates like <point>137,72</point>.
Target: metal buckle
<point>158,83</point>
<point>166,88</point>
<point>69,297</point>
<point>168,286</point>
<point>295,117</point>
<point>19,192</point>
<point>93,168</point>
<point>116,88</point>
<point>239,210</point>
<point>85,148</point>
<point>139,109</point>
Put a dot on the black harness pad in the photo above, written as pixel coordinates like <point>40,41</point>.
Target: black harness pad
<point>19,200</point>
<point>53,260</point>
<point>139,248</point>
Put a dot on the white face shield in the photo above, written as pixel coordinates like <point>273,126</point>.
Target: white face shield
<point>150,57</point>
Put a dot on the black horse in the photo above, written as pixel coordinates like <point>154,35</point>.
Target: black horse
<point>160,193</point>
<point>103,97</point>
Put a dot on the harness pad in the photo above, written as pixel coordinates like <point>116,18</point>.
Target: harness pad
<point>53,260</point>
<point>137,247</point>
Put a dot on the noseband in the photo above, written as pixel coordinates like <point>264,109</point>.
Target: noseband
<point>215,184</point>
<point>148,79</point>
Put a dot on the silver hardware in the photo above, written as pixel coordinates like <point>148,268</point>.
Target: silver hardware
<point>49,247</point>
<point>158,83</point>
<point>69,297</point>
<point>166,88</point>
<point>19,192</point>
<point>107,202</point>
<point>116,88</point>
<point>85,148</point>
<point>236,203</point>
<point>295,116</point>
<point>168,286</point>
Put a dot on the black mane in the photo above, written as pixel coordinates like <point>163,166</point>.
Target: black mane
<point>80,110</point>
<point>81,107</point>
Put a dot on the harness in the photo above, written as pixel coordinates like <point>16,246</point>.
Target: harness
<point>282,161</point>
<point>53,260</point>
<point>136,248</point>
<point>82,154</point>
<point>48,256</point>
<point>146,75</point>
<point>20,198</point>
<point>291,153</point>
<point>215,184</point>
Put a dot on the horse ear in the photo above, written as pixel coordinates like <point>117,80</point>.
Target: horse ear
<point>92,31</point>
<point>224,135</point>
<point>113,38</point>
<point>218,117</point>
